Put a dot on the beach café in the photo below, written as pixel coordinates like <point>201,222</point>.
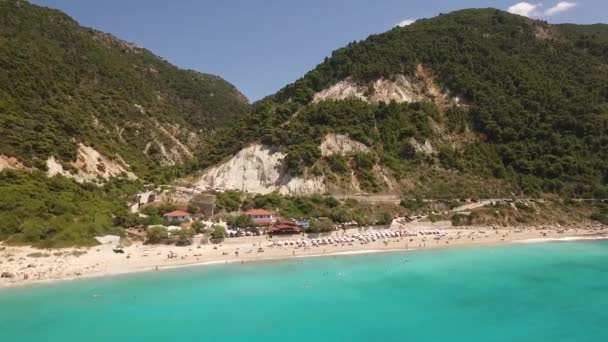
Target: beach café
<point>284,227</point>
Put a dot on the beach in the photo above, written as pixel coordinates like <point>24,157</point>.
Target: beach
<point>22,265</point>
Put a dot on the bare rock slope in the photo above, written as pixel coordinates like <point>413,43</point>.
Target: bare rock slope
<point>260,169</point>
<point>400,88</point>
<point>90,166</point>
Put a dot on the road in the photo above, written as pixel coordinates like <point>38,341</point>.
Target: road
<point>143,199</point>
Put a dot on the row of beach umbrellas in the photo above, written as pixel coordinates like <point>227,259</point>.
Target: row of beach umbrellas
<point>362,237</point>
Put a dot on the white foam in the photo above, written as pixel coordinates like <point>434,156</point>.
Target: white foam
<point>562,239</point>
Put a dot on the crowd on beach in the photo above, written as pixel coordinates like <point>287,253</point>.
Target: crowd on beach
<point>362,238</point>
<point>23,265</point>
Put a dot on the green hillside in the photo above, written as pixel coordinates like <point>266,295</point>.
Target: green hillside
<point>62,83</point>
<point>536,102</point>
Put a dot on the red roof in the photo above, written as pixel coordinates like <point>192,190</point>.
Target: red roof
<point>259,212</point>
<point>177,213</point>
<point>286,223</point>
<point>285,228</point>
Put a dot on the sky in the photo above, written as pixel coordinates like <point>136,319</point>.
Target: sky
<point>262,45</point>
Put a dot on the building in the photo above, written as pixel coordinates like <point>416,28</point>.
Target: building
<point>261,217</point>
<point>303,223</point>
<point>285,227</point>
<point>177,215</point>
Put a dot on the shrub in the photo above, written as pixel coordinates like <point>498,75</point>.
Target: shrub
<point>240,221</point>
<point>320,226</point>
<point>218,234</point>
<point>157,234</point>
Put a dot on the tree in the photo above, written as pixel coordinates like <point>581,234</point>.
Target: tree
<point>240,221</point>
<point>193,209</point>
<point>331,202</point>
<point>341,215</point>
<point>185,236</point>
<point>125,220</point>
<point>218,233</point>
<point>198,226</point>
<point>158,210</point>
<point>319,226</point>
<point>337,164</point>
<point>362,219</point>
<point>386,218</point>
<point>228,200</point>
<point>157,234</point>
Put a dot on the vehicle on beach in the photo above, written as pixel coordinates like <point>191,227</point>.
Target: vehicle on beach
<point>119,249</point>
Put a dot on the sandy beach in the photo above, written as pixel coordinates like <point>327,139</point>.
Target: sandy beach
<point>27,265</point>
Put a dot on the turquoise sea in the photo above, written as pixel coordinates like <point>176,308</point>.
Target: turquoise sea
<point>537,292</point>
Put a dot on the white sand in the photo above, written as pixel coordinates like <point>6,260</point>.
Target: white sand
<point>28,265</point>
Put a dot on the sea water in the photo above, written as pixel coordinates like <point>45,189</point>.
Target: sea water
<point>537,292</point>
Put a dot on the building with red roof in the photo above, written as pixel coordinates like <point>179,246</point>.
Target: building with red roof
<point>177,215</point>
<point>285,227</point>
<point>261,217</point>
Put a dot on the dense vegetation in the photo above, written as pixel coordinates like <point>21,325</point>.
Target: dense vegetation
<point>62,83</point>
<point>314,206</point>
<point>537,96</point>
<point>57,212</point>
<point>536,104</point>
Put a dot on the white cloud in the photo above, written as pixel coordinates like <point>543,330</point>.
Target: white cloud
<point>525,8</point>
<point>561,6</point>
<point>406,22</point>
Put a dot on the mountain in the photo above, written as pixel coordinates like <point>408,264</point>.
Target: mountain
<point>85,104</point>
<point>472,103</point>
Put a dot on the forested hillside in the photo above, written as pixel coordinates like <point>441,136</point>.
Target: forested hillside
<point>529,109</point>
<point>91,106</point>
<point>58,212</point>
<point>475,103</point>
<point>62,84</point>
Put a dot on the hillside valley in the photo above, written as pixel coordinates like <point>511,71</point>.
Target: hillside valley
<point>474,104</point>
<point>471,103</point>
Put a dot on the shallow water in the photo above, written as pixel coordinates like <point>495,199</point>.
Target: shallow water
<point>553,291</point>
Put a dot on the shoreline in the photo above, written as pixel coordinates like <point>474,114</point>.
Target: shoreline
<point>116,266</point>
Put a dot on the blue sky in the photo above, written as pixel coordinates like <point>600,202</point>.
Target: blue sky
<point>262,45</point>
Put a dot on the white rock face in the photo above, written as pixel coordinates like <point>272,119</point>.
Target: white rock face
<point>400,88</point>
<point>261,169</point>
<point>258,169</point>
<point>425,148</point>
<point>90,165</point>
<point>302,186</point>
<point>346,89</point>
<point>175,152</point>
<point>340,144</point>
<point>385,90</point>
<point>253,169</point>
